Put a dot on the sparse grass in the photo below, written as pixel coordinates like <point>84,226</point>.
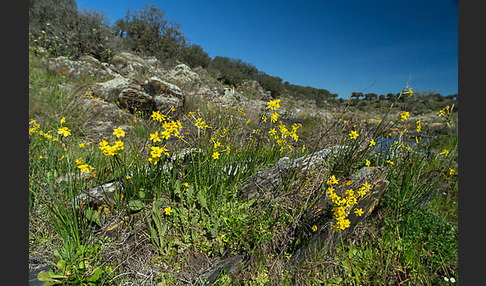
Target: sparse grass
<point>170,219</point>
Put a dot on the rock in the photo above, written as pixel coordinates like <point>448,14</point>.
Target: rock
<point>184,77</point>
<point>134,66</point>
<point>273,178</point>
<point>268,182</point>
<point>87,68</point>
<point>109,90</point>
<point>102,194</point>
<point>254,87</point>
<point>100,110</point>
<point>325,238</point>
<point>231,266</point>
<point>135,98</point>
<point>165,95</point>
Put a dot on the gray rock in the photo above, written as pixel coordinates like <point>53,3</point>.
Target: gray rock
<point>133,66</point>
<point>98,195</point>
<point>273,178</point>
<point>87,68</point>
<point>109,90</point>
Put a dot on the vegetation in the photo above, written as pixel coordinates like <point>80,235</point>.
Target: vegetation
<point>170,214</point>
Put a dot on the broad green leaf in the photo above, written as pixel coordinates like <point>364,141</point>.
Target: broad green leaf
<point>45,277</point>
<point>135,205</point>
<point>96,275</point>
<point>92,216</point>
<point>202,200</point>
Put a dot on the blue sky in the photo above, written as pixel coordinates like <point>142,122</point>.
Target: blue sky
<point>342,46</point>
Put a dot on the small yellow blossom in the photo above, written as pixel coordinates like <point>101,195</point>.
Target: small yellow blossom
<point>63,120</point>
<point>444,152</point>
<point>403,116</point>
<point>274,117</point>
<point>155,137</point>
<point>274,104</point>
<point>79,161</point>
<point>372,143</point>
<point>156,116</point>
<point>353,134</point>
<point>118,132</point>
<point>359,212</point>
<point>314,228</point>
<point>215,155</point>
<point>264,118</point>
<point>452,172</point>
<point>85,168</point>
<point>168,210</point>
<point>419,126</point>
<point>367,163</point>
<point>332,180</point>
<point>64,131</point>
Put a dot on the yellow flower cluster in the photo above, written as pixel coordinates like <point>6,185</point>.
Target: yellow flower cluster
<point>201,124</point>
<point>156,153</point>
<point>82,166</point>
<point>343,205</point>
<point>403,116</point>
<point>446,110</point>
<point>111,150</point>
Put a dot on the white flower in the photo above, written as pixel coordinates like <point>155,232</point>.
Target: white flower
<point>453,280</point>
<point>446,279</point>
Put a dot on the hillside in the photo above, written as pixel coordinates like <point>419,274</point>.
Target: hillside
<point>154,168</point>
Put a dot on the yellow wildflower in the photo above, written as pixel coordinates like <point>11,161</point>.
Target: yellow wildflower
<point>274,117</point>
<point>353,134</point>
<point>332,180</point>
<point>168,210</point>
<point>85,168</point>
<point>403,116</point>
<point>157,116</point>
<point>444,152</point>
<point>64,131</point>
<point>359,212</point>
<point>155,137</point>
<point>118,132</point>
<point>419,126</point>
<point>372,143</point>
<point>274,104</point>
<point>215,155</point>
<point>314,228</point>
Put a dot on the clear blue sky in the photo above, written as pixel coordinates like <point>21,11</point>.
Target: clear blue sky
<point>341,46</point>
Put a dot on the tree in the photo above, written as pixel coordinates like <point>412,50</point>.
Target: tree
<point>149,32</point>
<point>370,96</point>
<point>194,56</point>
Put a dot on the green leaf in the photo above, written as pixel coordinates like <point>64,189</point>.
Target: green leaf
<point>45,277</point>
<point>202,200</point>
<point>61,264</point>
<point>92,216</point>
<point>96,275</point>
<point>135,205</point>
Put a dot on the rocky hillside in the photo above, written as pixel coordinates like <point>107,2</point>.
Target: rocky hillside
<point>131,82</point>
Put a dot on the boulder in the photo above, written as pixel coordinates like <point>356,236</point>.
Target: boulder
<point>324,238</point>
<point>184,77</point>
<point>135,97</point>
<point>88,67</point>
<point>165,95</point>
<point>109,90</point>
<point>133,66</point>
<point>299,238</point>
